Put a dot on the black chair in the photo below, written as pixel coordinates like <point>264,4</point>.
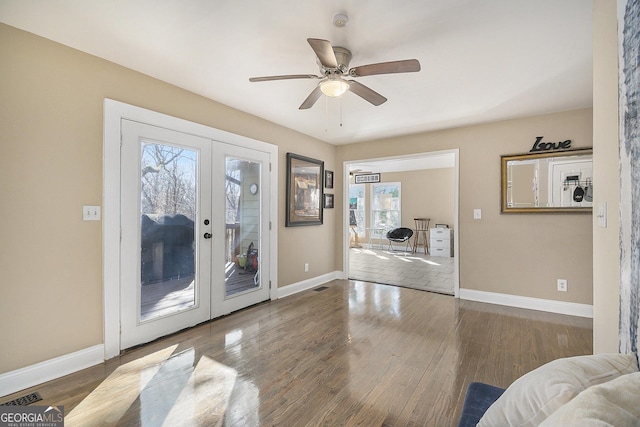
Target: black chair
<point>399,235</point>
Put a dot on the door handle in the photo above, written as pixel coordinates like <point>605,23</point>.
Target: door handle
<point>207,235</point>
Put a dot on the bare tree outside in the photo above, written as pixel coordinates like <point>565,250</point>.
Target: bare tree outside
<point>232,190</point>
<point>168,180</point>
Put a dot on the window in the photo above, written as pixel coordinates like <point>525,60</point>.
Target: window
<point>357,207</point>
<point>385,205</point>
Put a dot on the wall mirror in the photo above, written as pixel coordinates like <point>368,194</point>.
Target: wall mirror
<point>548,182</point>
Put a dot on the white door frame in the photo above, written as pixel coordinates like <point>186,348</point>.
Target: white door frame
<point>456,201</point>
<point>114,112</point>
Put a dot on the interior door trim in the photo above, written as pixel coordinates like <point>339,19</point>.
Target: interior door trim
<point>456,209</point>
<point>114,112</point>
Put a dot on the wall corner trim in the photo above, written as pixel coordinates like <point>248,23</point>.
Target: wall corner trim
<point>29,376</point>
<point>294,288</point>
<point>551,306</point>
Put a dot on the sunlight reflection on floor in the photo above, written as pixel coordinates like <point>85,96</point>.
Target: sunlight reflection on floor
<point>402,257</point>
<point>413,270</point>
<point>162,388</point>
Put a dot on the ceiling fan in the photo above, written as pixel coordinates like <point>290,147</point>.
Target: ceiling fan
<point>334,66</point>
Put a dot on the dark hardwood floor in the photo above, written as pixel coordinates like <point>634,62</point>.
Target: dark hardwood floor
<point>353,354</point>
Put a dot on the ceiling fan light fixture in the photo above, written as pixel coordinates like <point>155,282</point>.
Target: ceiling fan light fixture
<point>334,87</point>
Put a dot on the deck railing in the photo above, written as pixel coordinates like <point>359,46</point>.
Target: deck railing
<point>232,242</point>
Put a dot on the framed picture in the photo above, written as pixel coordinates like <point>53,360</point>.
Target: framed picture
<point>328,201</point>
<point>366,178</point>
<point>328,179</point>
<point>304,190</point>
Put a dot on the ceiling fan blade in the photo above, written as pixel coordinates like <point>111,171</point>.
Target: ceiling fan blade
<point>365,93</point>
<point>324,52</point>
<point>311,99</point>
<point>406,66</point>
<point>287,77</point>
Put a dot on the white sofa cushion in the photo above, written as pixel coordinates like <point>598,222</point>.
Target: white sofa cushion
<point>537,394</point>
<point>614,403</point>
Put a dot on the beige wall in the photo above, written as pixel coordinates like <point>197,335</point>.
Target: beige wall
<point>51,165</point>
<point>516,254</point>
<point>606,241</point>
<point>521,191</point>
<point>426,193</point>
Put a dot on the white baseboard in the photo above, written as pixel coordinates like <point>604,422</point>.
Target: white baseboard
<point>29,376</point>
<point>552,306</point>
<point>294,288</point>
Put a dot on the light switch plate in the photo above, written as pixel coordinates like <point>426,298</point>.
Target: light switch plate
<point>477,214</point>
<point>91,213</point>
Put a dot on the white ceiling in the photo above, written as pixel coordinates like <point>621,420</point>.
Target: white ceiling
<point>481,60</point>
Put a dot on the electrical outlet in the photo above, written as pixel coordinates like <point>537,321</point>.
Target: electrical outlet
<point>562,285</point>
<point>306,267</point>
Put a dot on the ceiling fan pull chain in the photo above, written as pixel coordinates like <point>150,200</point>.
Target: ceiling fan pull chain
<point>340,111</point>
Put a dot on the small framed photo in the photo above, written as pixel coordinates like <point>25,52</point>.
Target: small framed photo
<point>328,201</point>
<point>442,225</point>
<point>328,179</point>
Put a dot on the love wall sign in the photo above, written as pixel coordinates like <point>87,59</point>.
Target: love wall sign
<point>549,146</point>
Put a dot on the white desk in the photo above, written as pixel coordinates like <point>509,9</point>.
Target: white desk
<point>440,242</point>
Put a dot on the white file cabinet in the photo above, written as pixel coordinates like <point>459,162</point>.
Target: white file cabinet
<point>441,242</point>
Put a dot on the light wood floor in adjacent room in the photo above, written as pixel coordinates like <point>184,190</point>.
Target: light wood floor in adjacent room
<point>355,353</point>
<point>416,271</point>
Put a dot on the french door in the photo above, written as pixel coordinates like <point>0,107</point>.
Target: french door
<point>194,238</point>
<point>241,222</point>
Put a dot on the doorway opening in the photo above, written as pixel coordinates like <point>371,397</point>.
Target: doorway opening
<point>384,194</point>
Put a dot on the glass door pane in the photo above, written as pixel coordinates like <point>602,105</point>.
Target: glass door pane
<point>241,237</point>
<point>242,225</point>
<point>167,233</point>
<point>165,247</point>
